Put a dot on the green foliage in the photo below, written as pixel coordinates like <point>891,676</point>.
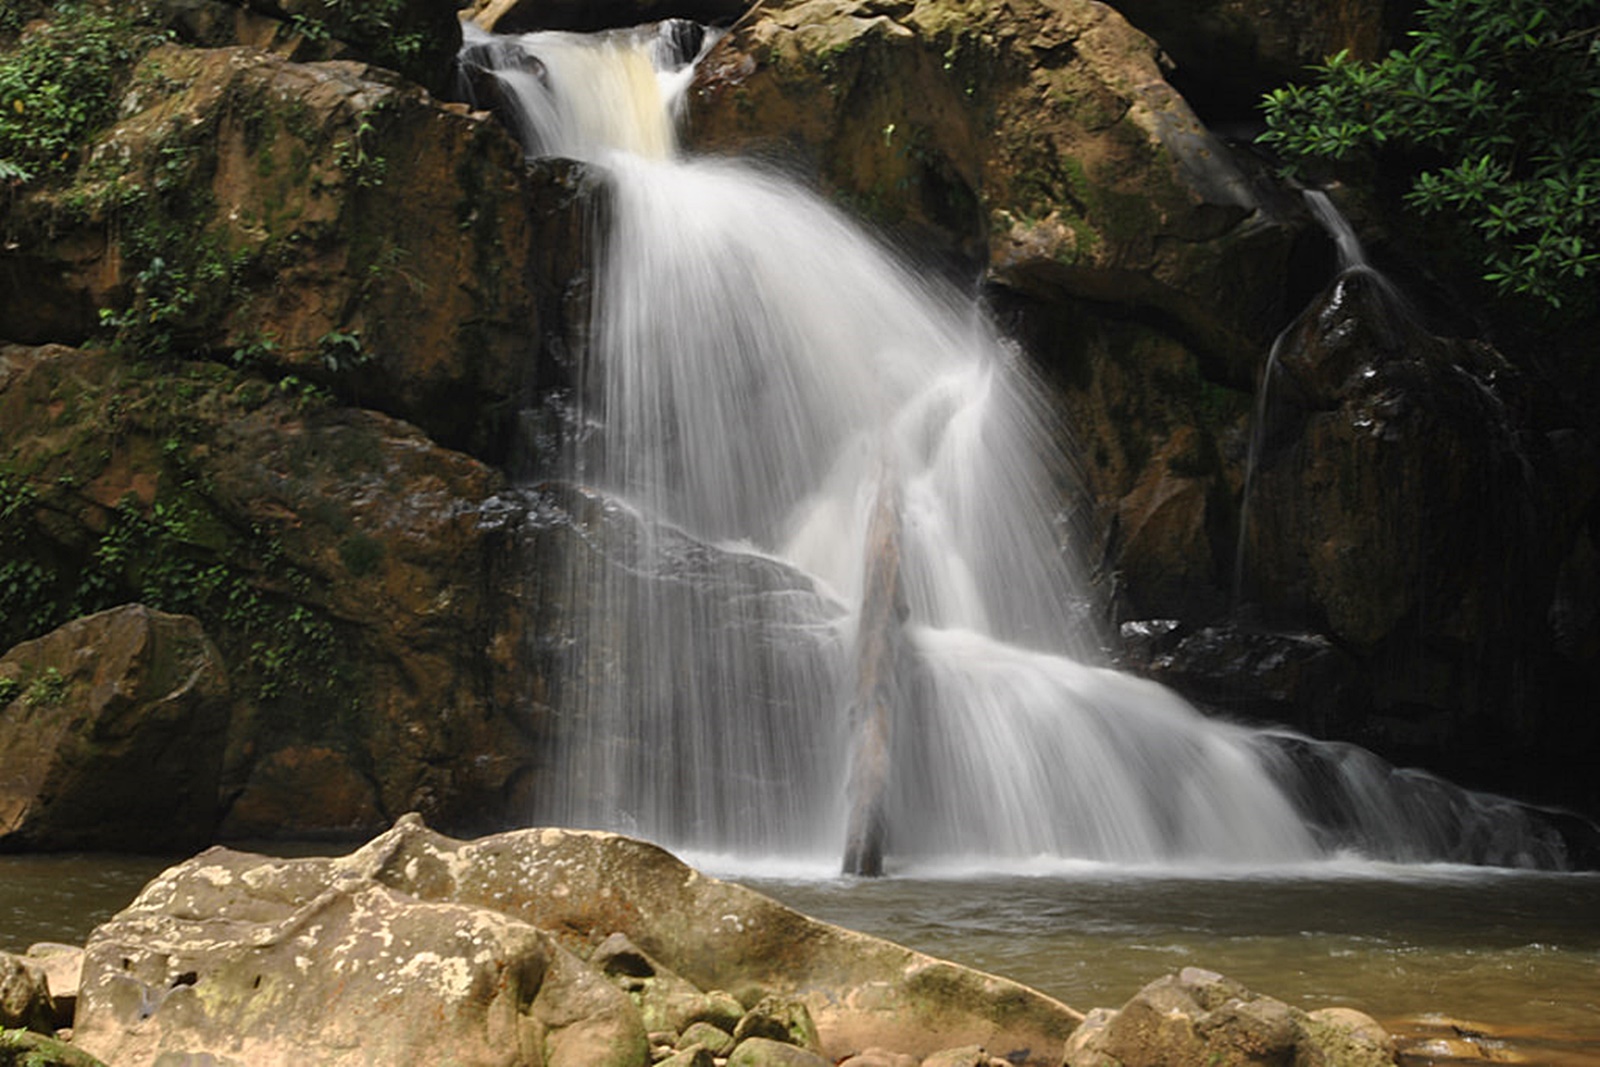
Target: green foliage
<point>27,587</point>
<point>58,85</point>
<point>47,689</point>
<point>1494,116</point>
<point>10,689</point>
<point>186,282</point>
<point>369,24</point>
<point>365,167</point>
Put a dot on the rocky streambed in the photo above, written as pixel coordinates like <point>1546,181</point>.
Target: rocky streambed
<point>556,947</point>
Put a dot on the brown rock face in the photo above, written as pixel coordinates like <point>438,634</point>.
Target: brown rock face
<point>1038,137</point>
<point>113,735</point>
<point>320,219</point>
<point>337,557</point>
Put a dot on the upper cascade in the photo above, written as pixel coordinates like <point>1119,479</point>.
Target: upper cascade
<point>585,96</point>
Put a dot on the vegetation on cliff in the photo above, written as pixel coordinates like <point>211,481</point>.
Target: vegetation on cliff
<point>1492,119</point>
<point>57,85</point>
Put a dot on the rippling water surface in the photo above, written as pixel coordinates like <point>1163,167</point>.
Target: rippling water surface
<point>1514,955</point>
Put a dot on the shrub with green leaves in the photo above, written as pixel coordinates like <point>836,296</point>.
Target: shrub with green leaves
<point>58,85</point>
<point>1493,117</point>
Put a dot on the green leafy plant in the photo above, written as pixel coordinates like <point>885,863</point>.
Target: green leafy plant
<point>48,688</point>
<point>58,85</point>
<point>1491,117</point>
<point>354,156</point>
<point>341,351</point>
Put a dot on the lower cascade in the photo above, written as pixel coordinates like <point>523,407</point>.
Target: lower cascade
<point>830,606</point>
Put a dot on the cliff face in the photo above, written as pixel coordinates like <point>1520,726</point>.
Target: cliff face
<point>271,318</point>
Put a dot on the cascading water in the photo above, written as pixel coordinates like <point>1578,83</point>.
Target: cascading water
<point>1393,314</point>
<point>762,378</point>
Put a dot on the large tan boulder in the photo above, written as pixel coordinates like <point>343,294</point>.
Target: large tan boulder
<point>112,735</point>
<point>418,948</point>
<point>246,961</point>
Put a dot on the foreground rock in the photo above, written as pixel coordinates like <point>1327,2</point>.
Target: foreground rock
<point>1198,1018</point>
<point>419,949</point>
<point>27,1048</point>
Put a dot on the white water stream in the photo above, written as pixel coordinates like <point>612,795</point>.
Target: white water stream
<point>759,366</point>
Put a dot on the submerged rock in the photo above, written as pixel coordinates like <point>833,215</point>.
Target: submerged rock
<point>417,948</point>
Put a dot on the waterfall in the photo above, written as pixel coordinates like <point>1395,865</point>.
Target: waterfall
<point>1393,317</point>
<point>762,379</point>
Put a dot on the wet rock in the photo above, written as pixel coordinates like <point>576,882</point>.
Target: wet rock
<point>1405,504</point>
<point>1199,1017</point>
<point>113,737</point>
<point>1266,675</point>
<point>765,1052</point>
<point>521,16</point>
<point>1037,138</point>
<point>24,995</point>
<point>779,1018</point>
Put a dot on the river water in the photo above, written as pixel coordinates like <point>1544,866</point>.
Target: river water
<point>1427,950</point>
<point>1513,954</point>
